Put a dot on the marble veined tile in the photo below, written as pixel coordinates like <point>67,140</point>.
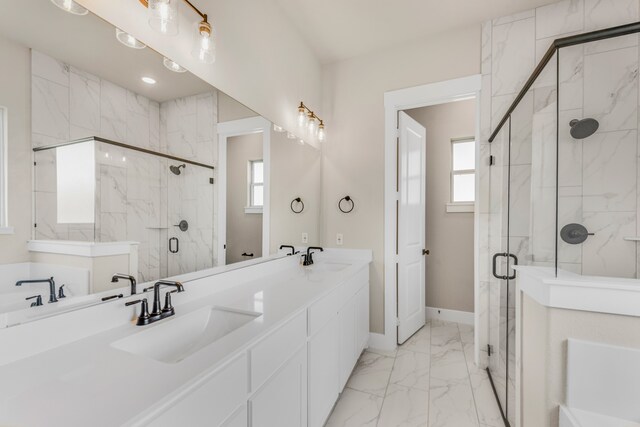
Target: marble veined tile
<point>50,108</point>
<point>84,101</point>
<point>485,400</point>
<point>113,189</point>
<point>612,97</point>
<point>404,407</point>
<point>113,111</point>
<point>419,341</point>
<point>49,68</point>
<point>371,374</point>
<point>411,369</point>
<point>515,17</point>
<point>355,409</point>
<point>557,18</point>
<point>451,404</point>
<point>487,28</point>
<point>138,130</point>
<point>600,14</point>
<point>610,171</point>
<point>606,253</point>
<point>137,103</point>
<point>154,125</point>
<point>513,55</point>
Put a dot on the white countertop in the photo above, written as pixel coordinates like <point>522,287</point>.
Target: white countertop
<point>85,381</point>
<point>568,290</point>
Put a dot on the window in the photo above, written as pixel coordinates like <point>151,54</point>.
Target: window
<point>4,220</point>
<point>463,174</point>
<point>256,186</point>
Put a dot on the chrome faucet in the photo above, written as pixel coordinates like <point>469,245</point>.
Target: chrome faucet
<point>146,318</point>
<point>52,287</point>
<point>131,279</point>
<point>308,257</point>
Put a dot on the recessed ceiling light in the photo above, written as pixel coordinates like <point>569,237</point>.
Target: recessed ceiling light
<point>149,80</point>
<point>128,40</point>
<point>70,6</point>
<point>173,66</point>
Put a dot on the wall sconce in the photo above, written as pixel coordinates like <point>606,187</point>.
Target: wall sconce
<point>163,17</point>
<point>313,123</point>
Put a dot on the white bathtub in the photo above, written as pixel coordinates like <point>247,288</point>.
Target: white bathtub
<point>12,297</point>
<point>603,386</point>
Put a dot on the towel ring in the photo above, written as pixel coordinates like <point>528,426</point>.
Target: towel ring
<point>299,201</point>
<point>346,199</point>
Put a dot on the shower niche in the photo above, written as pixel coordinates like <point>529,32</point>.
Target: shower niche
<point>97,190</point>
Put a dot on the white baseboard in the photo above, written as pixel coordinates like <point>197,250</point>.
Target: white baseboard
<point>464,317</point>
<point>382,342</point>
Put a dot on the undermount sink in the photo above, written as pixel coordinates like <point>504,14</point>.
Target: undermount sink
<point>180,337</point>
<point>329,266</point>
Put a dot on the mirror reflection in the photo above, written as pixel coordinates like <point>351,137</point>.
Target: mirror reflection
<point>138,168</point>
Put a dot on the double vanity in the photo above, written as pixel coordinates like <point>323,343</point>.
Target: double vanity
<point>271,343</point>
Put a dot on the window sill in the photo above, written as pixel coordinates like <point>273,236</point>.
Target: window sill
<point>253,210</point>
<point>460,207</point>
<point>6,230</point>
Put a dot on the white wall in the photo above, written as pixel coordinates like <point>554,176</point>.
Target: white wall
<point>353,161</point>
<point>449,235</point>
<point>15,90</point>
<point>261,59</point>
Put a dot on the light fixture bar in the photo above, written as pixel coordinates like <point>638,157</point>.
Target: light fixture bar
<point>145,3</point>
<point>304,107</point>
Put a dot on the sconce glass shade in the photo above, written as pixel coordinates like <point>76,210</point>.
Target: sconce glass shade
<point>204,49</point>
<point>302,116</point>
<point>173,66</point>
<point>163,16</point>
<point>312,125</point>
<point>70,6</point>
<point>322,134</point>
<point>128,40</point>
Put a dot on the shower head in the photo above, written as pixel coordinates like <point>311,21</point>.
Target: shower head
<point>584,128</point>
<point>176,169</point>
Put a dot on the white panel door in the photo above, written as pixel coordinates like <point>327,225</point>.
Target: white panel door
<point>411,226</point>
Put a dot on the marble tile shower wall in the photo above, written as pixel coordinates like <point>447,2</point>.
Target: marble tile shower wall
<point>135,198</point>
<point>598,176</point>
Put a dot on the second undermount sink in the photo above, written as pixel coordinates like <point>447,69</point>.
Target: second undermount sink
<point>180,337</point>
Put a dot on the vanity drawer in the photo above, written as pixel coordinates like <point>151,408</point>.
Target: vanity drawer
<point>353,285</point>
<point>324,310</point>
<point>212,402</point>
<point>270,353</point>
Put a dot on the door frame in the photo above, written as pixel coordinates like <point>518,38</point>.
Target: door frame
<point>225,131</point>
<point>395,101</point>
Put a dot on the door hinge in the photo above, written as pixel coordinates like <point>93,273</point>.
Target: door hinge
<point>397,133</point>
<point>492,160</point>
<point>489,349</point>
<point>210,180</point>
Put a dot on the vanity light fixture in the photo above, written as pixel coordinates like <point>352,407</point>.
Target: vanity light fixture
<point>163,17</point>
<point>149,80</point>
<point>313,123</point>
<point>128,40</point>
<point>173,66</point>
<point>70,6</point>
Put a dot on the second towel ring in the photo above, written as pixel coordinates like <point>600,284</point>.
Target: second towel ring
<point>300,202</point>
<point>346,199</point>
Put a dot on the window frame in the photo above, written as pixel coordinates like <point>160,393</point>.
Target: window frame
<point>251,185</point>
<point>4,192</point>
<point>467,205</point>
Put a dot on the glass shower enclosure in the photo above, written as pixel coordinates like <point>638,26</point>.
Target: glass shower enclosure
<point>564,190</point>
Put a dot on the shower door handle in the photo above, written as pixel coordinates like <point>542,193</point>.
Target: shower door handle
<point>177,242</point>
<point>495,266</point>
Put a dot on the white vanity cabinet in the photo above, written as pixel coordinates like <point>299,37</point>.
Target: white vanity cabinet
<point>338,332</point>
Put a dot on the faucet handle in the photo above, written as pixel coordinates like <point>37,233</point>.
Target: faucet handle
<point>61,292</point>
<point>144,318</point>
<point>168,309</point>
<point>38,301</point>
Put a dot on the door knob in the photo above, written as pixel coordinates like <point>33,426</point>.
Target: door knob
<point>425,252</point>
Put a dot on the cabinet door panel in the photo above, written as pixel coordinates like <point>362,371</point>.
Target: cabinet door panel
<point>363,318</point>
<point>348,339</point>
<point>282,400</point>
<point>324,372</point>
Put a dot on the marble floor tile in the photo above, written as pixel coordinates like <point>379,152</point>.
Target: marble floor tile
<point>411,369</point>
<point>420,341</point>
<point>371,374</point>
<point>355,409</point>
<point>451,404</point>
<point>404,407</point>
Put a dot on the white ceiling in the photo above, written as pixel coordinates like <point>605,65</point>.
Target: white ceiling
<point>340,29</point>
<point>89,43</point>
